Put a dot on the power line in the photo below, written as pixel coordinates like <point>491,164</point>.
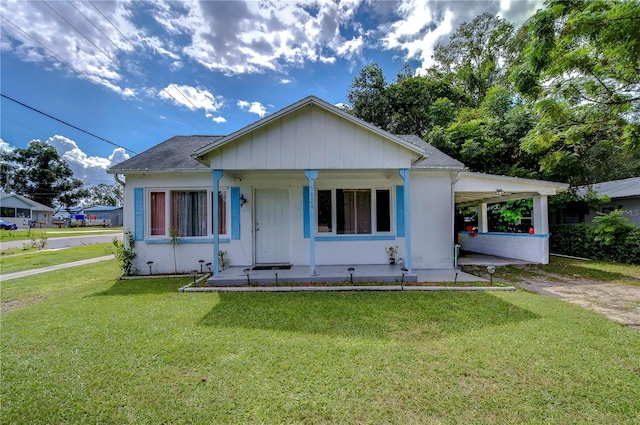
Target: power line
<point>66,123</point>
<point>108,56</point>
<point>82,73</point>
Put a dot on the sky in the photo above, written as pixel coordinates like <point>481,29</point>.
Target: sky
<point>103,80</point>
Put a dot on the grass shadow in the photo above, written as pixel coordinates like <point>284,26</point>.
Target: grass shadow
<point>393,316</point>
<point>144,286</point>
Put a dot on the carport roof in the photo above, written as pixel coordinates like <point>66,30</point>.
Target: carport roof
<point>475,188</point>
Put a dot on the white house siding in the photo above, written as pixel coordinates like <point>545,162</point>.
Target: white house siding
<point>311,138</point>
<point>432,239</point>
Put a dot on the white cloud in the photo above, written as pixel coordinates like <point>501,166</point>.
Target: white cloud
<point>285,81</point>
<point>5,147</point>
<point>192,97</point>
<point>90,169</point>
<point>253,107</point>
<point>219,120</point>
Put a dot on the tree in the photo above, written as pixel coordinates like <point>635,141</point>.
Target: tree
<point>581,68</point>
<point>368,98</point>
<point>40,174</point>
<point>104,194</point>
<point>478,55</point>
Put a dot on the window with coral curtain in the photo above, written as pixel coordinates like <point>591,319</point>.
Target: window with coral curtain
<point>222,212</point>
<point>158,213</point>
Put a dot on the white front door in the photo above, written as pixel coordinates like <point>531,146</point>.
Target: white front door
<point>272,225</point>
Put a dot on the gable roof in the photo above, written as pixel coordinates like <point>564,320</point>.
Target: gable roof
<point>33,204</point>
<point>309,100</point>
<point>173,154</point>
<point>616,188</point>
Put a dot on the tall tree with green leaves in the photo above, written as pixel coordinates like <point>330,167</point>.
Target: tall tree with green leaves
<point>582,70</point>
<point>478,55</point>
<point>40,174</point>
<point>367,96</point>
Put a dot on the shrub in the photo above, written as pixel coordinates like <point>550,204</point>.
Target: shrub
<point>610,240</point>
<point>125,254</point>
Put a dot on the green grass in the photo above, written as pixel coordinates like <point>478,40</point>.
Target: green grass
<point>566,268</point>
<point>81,346</point>
<point>37,259</point>
<point>26,234</point>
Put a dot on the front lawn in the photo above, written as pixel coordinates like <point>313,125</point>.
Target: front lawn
<point>27,234</point>
<point>81,346</point>
<point>49,257</point>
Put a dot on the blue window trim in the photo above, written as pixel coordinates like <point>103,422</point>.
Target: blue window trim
<point>138,213</point>
<point>400,211</point>
<point>355,238</point>
<point>235,212</point>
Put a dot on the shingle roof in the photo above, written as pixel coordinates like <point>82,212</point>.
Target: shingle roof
<point>99,208</point>
<point>616,188</point>
<point>173,154</point>
<point>434,159</point>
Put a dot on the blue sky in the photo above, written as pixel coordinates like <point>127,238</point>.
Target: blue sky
<point>135,72</point>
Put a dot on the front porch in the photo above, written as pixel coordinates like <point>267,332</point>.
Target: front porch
<point>235,276</point>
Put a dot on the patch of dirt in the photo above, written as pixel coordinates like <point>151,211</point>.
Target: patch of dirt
<point>16,304</point>
<point>617,301</point>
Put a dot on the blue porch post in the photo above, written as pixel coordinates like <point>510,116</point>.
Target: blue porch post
<point>217,175</point>
<point>404,173</point>
<point>312,175</point>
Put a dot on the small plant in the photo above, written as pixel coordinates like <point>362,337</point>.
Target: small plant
<point>391,252</point>
<point>173,234</point>
<point>38,241</point>
<point>610,227</point>
<point>124,252</point>
<point>223,260</point>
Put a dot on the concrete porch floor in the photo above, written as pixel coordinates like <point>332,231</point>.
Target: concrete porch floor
<point>235,276</point>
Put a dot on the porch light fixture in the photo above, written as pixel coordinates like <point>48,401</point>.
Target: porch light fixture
<point>351,270</point>
<point>246,273</point>
<point>150,263</point>
<point>201,264</point>
<point>243,200</point>
<point>404,271</point>
<point>491,270</point>
<point>209,267</point>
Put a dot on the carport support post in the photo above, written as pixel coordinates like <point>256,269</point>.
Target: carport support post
<point>540,215</point>
<point>483,219</point>
<point>312,175</point>
<point>217,175</point>
<point>404,173</point>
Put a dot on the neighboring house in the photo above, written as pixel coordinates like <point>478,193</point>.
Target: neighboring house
<point>623,194</point>
<point>23,211</point>
<point>312,185</point>
<point>112,214</point>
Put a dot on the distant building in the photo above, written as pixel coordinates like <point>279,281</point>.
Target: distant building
<point>105,212</point>
<point>624,195</point>
<point>23,211</point>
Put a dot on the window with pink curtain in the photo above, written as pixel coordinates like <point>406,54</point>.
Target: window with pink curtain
<point>158,213</point>
<point>222,212</point>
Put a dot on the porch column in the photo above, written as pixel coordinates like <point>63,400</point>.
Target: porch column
<point>483,219</point>
<point>312,175</point>
<point>404,173</point>
<point>540,215</point>
<point>217,175</point>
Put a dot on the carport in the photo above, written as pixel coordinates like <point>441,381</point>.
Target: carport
<point>481,190</point>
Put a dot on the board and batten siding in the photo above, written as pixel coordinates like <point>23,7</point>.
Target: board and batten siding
<point>311,138</point>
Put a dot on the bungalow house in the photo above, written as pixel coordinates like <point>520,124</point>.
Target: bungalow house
<point>309,185</point>
<point>24,211</point>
